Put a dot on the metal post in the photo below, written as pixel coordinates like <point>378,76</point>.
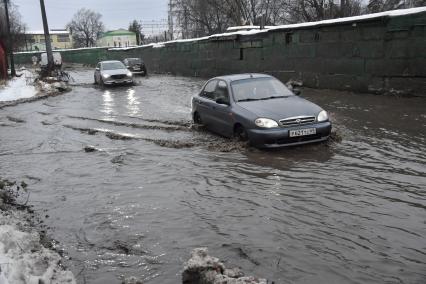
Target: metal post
<point>262,21</point>
<point>47,39</point>
<point>9,41</point>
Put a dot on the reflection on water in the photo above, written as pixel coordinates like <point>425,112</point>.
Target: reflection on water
<point>108,103</point>
<point>345,212</point>
<point>132,102</point>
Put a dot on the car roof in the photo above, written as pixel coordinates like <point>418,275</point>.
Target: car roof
<point>110,61</point>
<point>236,77</point>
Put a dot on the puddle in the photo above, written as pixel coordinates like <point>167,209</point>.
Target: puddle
<point>131,187</point>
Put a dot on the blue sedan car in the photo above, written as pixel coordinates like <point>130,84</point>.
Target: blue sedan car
<point>260,109</point>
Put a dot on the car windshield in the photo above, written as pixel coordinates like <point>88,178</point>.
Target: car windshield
<point>113,65</point>
<point>134,60</point>
<point>259,89</point>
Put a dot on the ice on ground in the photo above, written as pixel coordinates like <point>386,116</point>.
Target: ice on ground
<point>19,88</point>
<point>23,260</point>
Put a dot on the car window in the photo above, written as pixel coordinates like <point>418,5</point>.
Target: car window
<point>134,60</point>
<point>221,92</point>
<point>113,65</point>
<point>209,89</point>
<point>259,89</point>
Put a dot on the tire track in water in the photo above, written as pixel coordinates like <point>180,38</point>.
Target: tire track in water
<point>216,144</point>
<point>171,126</point>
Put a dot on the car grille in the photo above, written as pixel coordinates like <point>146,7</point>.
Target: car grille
<point>121,76</point>
<point>300,120</point>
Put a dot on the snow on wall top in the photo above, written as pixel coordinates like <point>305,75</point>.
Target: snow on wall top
<point>236,28</point>
<point>41,32</point>
<point>392,13</point>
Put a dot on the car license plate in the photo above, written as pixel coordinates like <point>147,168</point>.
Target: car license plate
<point>303,132</point>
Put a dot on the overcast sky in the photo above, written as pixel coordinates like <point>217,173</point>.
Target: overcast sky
<point>115,13</point>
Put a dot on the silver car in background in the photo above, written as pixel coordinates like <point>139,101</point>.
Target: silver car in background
<point>112,72</point>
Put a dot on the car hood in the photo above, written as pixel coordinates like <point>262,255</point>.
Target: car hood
<point>281,108</point>
<point>115,72</point>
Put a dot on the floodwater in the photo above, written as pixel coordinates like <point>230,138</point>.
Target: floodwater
<point>349,211</point>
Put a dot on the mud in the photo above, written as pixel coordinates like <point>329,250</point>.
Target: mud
<point>131,187</point>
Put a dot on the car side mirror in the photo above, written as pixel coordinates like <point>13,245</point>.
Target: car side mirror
<point>222,101</point>
<point>297,92</point>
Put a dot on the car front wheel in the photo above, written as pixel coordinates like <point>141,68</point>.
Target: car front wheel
<point>197,118</point>
<point>240,133</point>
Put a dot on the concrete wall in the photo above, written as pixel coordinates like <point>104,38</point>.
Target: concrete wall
<point>383,54</point>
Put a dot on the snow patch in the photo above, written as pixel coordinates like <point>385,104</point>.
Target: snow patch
<point>23,260</point>
<point>19,88</point>
<point>52,32</point>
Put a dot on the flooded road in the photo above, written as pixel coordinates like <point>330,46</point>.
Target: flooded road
<point>350,211</point>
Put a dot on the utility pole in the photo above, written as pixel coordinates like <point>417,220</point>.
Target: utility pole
<point>9,41</point>
<point>47,39</point>
<point>170,19</point>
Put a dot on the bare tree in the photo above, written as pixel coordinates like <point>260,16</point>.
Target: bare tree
<point>203,17</point>
<point>136,27</point>
<point>17,27</point>
<point>195,18</point>
<point>386,5</point>
<point>85,27</point>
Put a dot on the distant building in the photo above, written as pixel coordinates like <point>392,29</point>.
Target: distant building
<point>117,38</point>
<point>60,39</point>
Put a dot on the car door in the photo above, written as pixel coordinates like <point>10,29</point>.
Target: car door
<point>221,117</point>
<point>204,102</point>
<point>98,72</point>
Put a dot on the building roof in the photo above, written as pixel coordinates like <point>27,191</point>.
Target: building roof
<point>117,33</point>
<point>52,32</point>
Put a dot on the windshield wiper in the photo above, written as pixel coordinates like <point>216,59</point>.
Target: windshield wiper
<point>274,97</point>
<point>248,100</point>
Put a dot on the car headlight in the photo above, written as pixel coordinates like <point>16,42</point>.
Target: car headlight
<point>266,123</point>
<point>129,74</point>
<point>106,76</point>
<point>322,116</point>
